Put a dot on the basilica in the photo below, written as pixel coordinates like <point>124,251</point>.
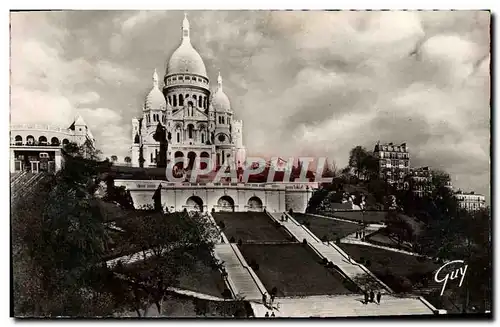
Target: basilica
<point>199,122</point>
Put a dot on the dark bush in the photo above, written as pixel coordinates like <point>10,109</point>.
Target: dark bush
<point>255,267</point>
<point>240,242</point>
<point>324,238</point>
<point>337,240</point>
<point>185,210</point>
<point>368,263</point>
<point>232,240</point>
<point>324,261</point>
<point>304,241</point>
<point>274,291</point>
<point>330,264</point>
<point>221,225</point>
<point>213,210</point>
<point>226,294</point>
<point>362,260</point>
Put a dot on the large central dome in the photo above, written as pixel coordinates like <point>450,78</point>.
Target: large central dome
<point>185,58</point>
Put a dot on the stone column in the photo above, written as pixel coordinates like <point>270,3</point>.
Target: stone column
<point>12,161</point>
<point>58,161</point>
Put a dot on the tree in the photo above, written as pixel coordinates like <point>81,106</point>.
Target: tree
<point>175,242</point>
<point>357,157</point>
<point>160,136</point>
<point>58,236</point>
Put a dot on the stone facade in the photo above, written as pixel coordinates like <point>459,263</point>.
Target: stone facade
<point>36,147</point>
<point>198,122</point>
<point>394,163</point>
<point>274,197</point>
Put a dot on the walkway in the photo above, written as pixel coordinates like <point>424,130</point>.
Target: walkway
<point>356,272</point>
<point>240,276</point>
<point>344,306</point>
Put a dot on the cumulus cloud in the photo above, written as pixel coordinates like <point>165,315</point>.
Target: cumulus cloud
<point>304,83</point>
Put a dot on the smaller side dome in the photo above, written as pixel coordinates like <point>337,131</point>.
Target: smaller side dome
<point>220,101</point>
<point>155,100</point>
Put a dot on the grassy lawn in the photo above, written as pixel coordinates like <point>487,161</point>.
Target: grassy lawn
<point>293,269</point>
<point>381,238</point>
<point>370,217</point>
<point>250,226</point>
<point>200,278</point>
<point>327,227</point>
<point>386,264</point>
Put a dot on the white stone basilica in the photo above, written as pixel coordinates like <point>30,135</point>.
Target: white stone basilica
<point>200,123</point>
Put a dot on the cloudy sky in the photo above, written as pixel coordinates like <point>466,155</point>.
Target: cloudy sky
<point>304,83</point>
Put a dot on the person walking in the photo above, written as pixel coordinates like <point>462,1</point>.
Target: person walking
<point>267,314</point>
<point>357,234</point>
<point>378,297</point>
<point>272,314</point>
<point>372,296</point>
<point>264,298</point>
<point>366,298</point>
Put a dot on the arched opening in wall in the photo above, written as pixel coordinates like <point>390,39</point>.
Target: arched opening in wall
<point>179,164</point>
<point>30,140</point>
<point>203,165</point>
<point>190,108</point>
<point>194,203</point>
<point>203,137</point>
<point>65,141</point>
<point>181,100</point>
<point>200,100</point>
<point>194,98</point>
<point>169,100</point>
<point>18,140</point>
<point>174,98</point>
<point>225,203</point>
<point>206,103</point>
<point>190,131</point>
<point>54,141</point>
<point>42,140</point>
<point>254,204</point>
<point>191,159</point>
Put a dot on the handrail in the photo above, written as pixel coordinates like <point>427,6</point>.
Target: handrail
<point>256,280</point>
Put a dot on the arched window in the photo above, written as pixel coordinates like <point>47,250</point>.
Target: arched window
<point>206,103</point>
<point>190,131</point>
<point>199,101</point>
<point>178,137</point>
<point>42,140</point>
<point>174,97</point>
<point>202,137</point>
<point>151,157</point>
<point>181,100</point>
<point>194,98</point>
<point>65,141</point>
<point>223,120</point>
<point>18,140</point>
<point>54,141</point>
<point>169,100</point>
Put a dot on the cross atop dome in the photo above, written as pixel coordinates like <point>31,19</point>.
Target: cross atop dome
<point>155,79</point>
<point>219,81</point>
<point>185,28</point>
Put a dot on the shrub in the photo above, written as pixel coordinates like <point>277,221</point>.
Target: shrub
<point>185,210</point>
<point>368,263</point>
<point>337,240</point>
<point>226,294</point>
<point>213,210</point>
<point>232,240</point>
<point>324,261</point>
<point>324,238</point>
<point>221,225</point>
<point>290,211</point>
<point>362,260</point>
<point>304,241</point>
<point>274,291</point>
<point>240,242</point>
<point>330,265</point>
<point>255,267</point>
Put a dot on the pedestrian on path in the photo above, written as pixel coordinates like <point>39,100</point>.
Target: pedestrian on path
<point>267,314</point>
<point>372,296</point>
<point>272,314</point>
<point>366,298</point>
<point>264,298</point>
<point>378,297</point>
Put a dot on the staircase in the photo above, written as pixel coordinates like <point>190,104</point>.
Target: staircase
<point>239,274</point>
<point>344,306</point>
<point>23,182</point>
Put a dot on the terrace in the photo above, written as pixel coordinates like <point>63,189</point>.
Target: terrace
<point>328,229</point>
<point>294,270</point>
<point>250,227</point>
